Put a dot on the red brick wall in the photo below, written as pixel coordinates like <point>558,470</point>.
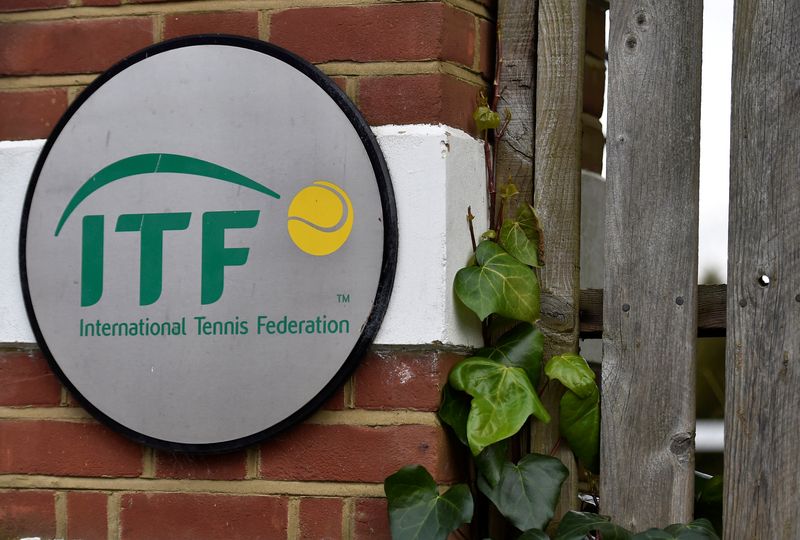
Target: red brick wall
<point>63,475</point>
<point>402,63</point>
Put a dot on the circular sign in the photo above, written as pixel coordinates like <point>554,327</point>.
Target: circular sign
<point>208,243</point>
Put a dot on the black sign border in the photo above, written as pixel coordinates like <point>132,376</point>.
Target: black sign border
<point>390,239</point>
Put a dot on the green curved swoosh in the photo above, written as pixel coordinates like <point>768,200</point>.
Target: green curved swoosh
<point>157,163</point>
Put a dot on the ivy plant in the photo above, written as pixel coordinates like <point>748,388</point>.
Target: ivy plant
<point>491,396</point>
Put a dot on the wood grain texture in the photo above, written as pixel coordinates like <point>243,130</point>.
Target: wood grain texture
<point>650,300</point>
<point>557,175</point>
<point>762,423</point>
<point>711,302</point>
<point>516,21</point>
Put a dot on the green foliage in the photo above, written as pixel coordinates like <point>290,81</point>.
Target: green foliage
<point>580,426</point>
<point>576,525</point>
<point>573,372</point>
<point>502,400</point>
<point>499,284</point>
<point>418,512</point>
<point>579,409</point>
<point>454,411</point>
<point>519,347</point>
<point>491,395</point>
<point>490,462</point>
<point>699,529</point>
<point>527,493</point>
<point>708,499</point>
<point>534,534</point>
<point>485,118</point>
<point>520,236</point>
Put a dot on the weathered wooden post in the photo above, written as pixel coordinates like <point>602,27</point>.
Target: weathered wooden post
<point>762,423</point>
<point>650,300</point>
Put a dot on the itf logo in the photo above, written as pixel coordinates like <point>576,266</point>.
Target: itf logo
<point>208,243</point>
<point>320,221</point>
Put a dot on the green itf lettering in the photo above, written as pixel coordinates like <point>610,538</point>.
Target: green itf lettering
<point>215,255</point>
<point>151,228</point>
<point>214,258</point>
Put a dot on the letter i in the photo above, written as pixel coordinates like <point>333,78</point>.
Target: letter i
<point>92,260</point>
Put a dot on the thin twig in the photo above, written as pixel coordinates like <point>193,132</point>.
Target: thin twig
<point>544,387</point>
<point>491,186</point>
<point>470,217</point>
<point>499,219</point>
<point>502,131</point>
<point>556,447</point>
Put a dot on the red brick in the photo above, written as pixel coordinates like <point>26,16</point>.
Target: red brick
<point>30,114</point>
<point>72,46</point>
<point>412,99</point>
<point>458,36</point>
<point>487,32</point>
<point>183,515</point>
<point>29,5</point>
<point>413,31</point>
<point>341,82</point>
<point>402,379</point>
<point>66,449</point>
<point>219,467</point>
<point>87,515</point>
<point>320,519</point>
<point>26,377</point>
<point>371,520</point>
<point>241,23</point>
<point>343,453</point>
<point>336,401</point>
<point>27,514</point>
<point>101,2</point>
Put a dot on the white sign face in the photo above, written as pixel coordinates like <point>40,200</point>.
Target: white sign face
<point>208,243</point>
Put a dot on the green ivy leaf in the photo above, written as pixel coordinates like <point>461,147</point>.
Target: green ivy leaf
<point>573,372</point>
<point>534,534</point>
<point>527,492</point>
<point>519,347</point>
<point>485,118</point>
<point>499,284</point>
<point>576,525</point>
<point>454,411</point>
<point>700,529</point>
<point>580,426</point>
<point>520,236</point>
<point>708,499</point>
<point>503,399</point>
<point>491,460</point>
<point>418,512</point>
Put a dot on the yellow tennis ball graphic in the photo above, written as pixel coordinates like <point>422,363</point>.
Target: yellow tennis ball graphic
<point>320,218</point>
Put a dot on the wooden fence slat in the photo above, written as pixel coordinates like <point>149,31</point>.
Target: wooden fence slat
<point>557,176</point>
<point>650,300</point>
<point>516,21</point>
<point>762,409</point>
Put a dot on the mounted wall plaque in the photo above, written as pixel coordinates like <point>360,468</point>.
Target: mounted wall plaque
<point>208,243</point>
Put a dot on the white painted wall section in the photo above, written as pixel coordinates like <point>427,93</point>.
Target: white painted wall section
<point>436,171</point>
<point>17,159</point>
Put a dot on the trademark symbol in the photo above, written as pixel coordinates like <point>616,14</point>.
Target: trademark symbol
<point>343,298</point>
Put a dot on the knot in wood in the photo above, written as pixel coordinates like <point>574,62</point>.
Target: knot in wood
<point>557,314</point>
<point>681,445</point>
